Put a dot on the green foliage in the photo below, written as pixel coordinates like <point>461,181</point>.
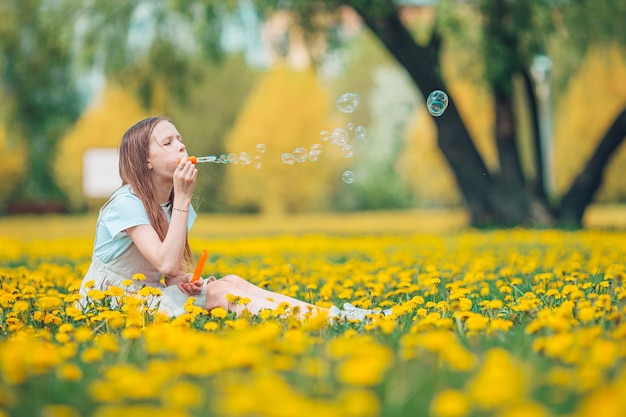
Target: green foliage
<point>36,77</point>
<point>12,169</point>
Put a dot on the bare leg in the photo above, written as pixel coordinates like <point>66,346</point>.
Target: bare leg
<point>259,297</point>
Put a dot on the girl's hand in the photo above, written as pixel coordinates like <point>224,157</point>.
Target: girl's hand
<point>191,288</point>
<point>185,176</point>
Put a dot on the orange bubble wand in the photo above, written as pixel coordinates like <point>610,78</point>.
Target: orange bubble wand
<point>200,266</point>
<point>210,158</point>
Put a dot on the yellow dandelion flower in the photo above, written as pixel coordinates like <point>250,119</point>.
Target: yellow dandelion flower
<point>182,394</point>
<point>358,402</point>
<point>525,410</point>
<point>48,303</point>
<point>586,314</point>
<point>499,325</point>
<point>219,312</point>
<point>69,372</point>
<point>59,410</point>
<point>210,326</point>
<point>114,291</point>
<point>450,403</point>
<point>95,295</point>
<point>232,299</point>
<point>91,355</point>
<point>21,306</point>
<point>265,314</point>
<point>130,333</point>
<point>139,277</point>
<point>127,283</point>
<point>148,291</point>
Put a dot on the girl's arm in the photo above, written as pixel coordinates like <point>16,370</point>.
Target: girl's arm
<point>168,256</point>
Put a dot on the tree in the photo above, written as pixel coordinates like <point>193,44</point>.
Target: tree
<point>36,72</point>
<point>279,188</point>
<point>36,79</point>
<point>513,32</point>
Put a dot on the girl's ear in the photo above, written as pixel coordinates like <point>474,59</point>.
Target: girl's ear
<point>149,165</point>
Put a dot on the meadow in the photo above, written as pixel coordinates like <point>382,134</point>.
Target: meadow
<point>485,323</point>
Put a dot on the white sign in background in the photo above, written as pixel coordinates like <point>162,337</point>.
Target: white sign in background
<point>100,172</point>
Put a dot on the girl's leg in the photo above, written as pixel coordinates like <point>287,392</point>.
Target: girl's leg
<point>259,297</point>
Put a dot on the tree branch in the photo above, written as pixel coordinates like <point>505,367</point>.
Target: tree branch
<point>584,187</point>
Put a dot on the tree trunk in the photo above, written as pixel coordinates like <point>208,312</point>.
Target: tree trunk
<point>511,200</point>
<point>538,188</point>
<point>422,65</point>
<point>582,190</point>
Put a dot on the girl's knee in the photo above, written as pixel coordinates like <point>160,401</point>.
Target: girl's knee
<point>235,280</point>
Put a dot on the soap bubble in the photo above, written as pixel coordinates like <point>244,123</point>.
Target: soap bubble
<point>313,156</point>
<point>350,126</point>
<point>300,154</point>
<point>347,151</point>
<point>316,149</point>
<point>437,102</point>
<point>261,148</point>
<point>324,135</point>
<point>224,158</point>
<point>233,158</point>
<point>258,161</point>
<point>348,177</point>
<point>360,132</point>
<point>244,158</point>
<point>339,137</point>
<point>288,158</point>
<point>348,102</point>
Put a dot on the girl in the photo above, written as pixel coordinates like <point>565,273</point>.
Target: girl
<point>143,229</point>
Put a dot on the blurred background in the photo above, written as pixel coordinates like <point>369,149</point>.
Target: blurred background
<point>531,135</point>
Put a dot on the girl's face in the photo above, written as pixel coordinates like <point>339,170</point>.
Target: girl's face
<point>166,148</point>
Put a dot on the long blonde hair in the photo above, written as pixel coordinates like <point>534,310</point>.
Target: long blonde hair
<point>134,170</point>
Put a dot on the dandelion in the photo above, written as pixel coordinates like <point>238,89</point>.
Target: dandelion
<point>450,403</point>
<point>219,312</point>
<point>48,303</point>
<point>182,395</point>
<point>232,299</point>
<point>69,372</point>
<point>210,326</point>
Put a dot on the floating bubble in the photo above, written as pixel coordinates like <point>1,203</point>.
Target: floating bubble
<point>360,132</point>
<point>437,102</point>
<point>348,102</point>
<point>233,158</point>
<point>350,126</point>
<point>300,154</point>
<point>224,158</point>
<point>316,149</point>
<point>287,158</point>
<point>313,156</point>
<point>244,158</point>
<point>348,177</point>
<point>339,137</point>
<point>347,151</point>
<point>258,161</point>
<point>324,135</point>
<point>261,148</point>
